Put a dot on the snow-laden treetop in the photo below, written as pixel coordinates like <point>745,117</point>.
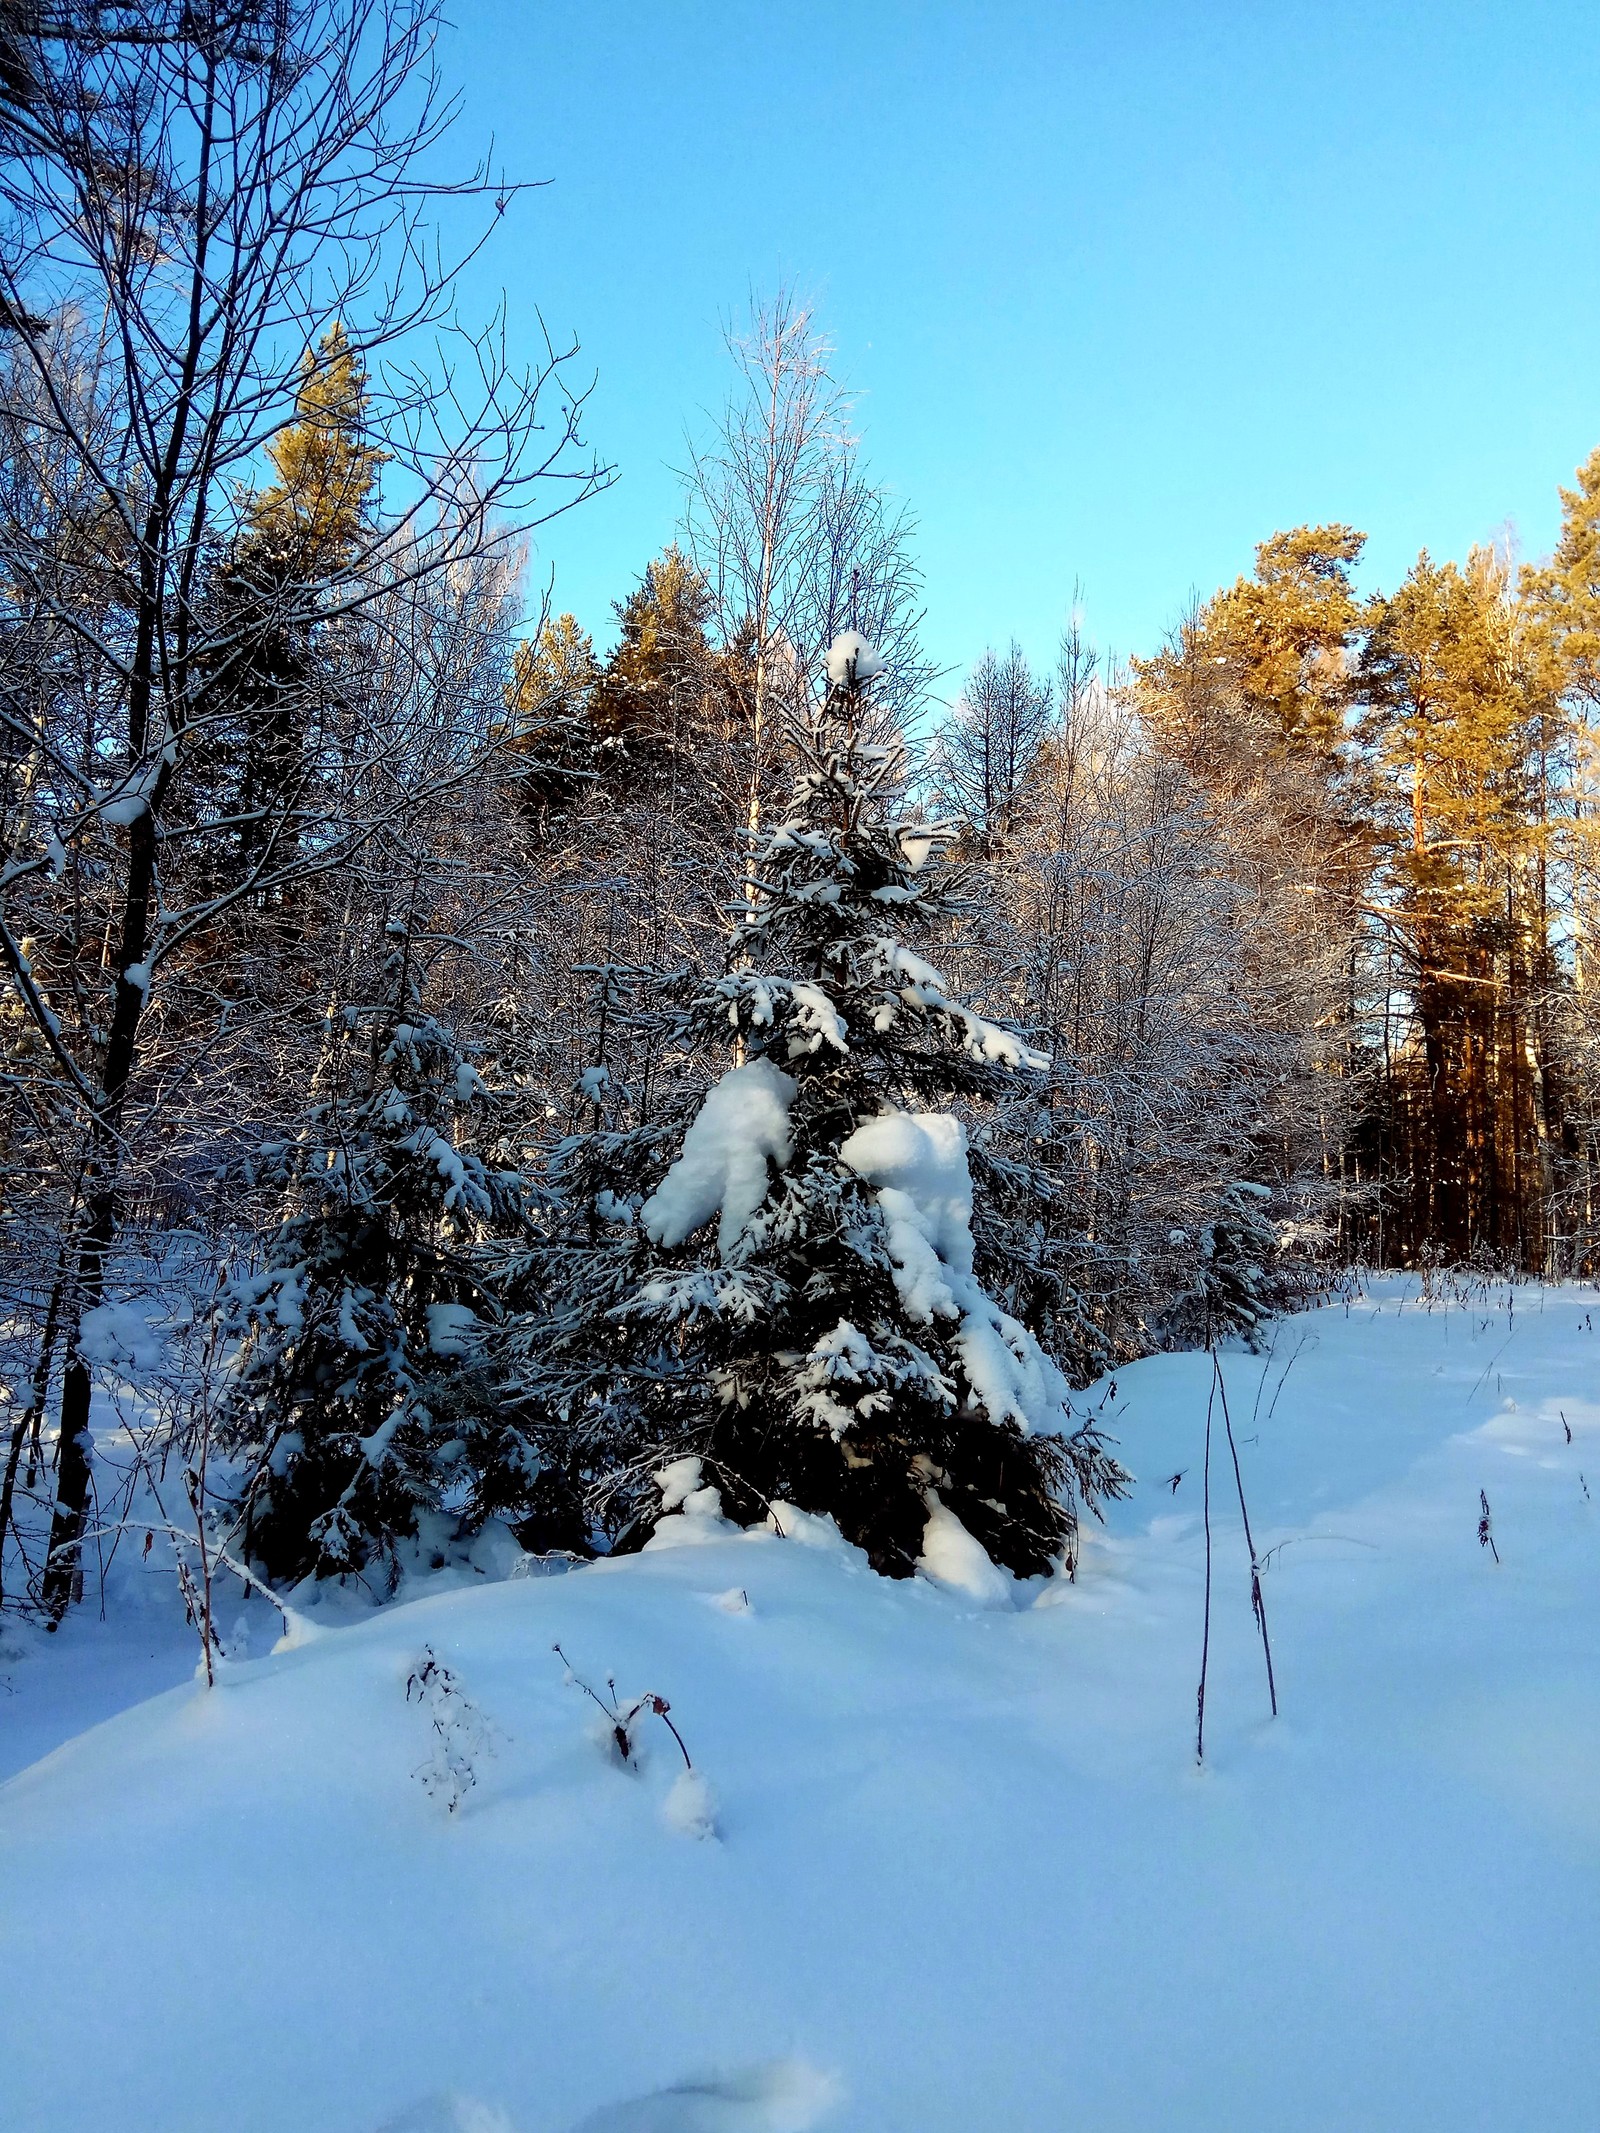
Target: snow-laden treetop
<point>852,661</point>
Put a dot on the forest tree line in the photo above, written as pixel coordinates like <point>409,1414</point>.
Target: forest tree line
<point>357,931</point>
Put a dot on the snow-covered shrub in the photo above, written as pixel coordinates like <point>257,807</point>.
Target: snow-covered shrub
<point>1235,1284</point>
<point>359,1402</point>
<point>795,1298</point>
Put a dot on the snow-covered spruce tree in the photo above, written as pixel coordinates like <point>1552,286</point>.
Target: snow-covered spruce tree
<point>793,1300</point>
<point>359,1408</point>
<point>1235,1286</point>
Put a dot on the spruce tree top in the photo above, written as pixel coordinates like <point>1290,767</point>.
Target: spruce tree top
<point>824,982</point>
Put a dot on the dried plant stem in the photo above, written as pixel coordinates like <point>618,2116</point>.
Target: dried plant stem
<point>621,1721</point>
<point>1258,1604</point>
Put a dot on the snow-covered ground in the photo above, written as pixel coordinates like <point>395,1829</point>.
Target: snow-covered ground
<point>965,1873</point>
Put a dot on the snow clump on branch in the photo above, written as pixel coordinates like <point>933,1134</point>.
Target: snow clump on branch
<point>852,661</point>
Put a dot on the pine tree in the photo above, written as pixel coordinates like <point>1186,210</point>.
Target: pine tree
<point>1262,673</point>
<point>795,1298</point>
<point>1457,717</point>
<point>1285,633</point>
<point>552,675</point>
<point>1564,593</point>
<point>549,727</point>
<point>655,680</point>
<point>261,683</point>
<point>326,472</point>
<point>359,1409</point>
<point>1562,601</point>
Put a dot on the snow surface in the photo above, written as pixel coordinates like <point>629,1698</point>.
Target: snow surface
<point>743,1123</point>
<point>693,1509</point>
<point>965,1876</point>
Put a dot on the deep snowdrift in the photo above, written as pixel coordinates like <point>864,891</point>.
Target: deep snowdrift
<point>965,1876</point>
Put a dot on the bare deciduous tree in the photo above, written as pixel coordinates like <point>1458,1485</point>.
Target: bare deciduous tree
<point>795,540</point>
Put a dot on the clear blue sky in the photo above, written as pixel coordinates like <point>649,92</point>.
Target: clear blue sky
<point>1126,284</point>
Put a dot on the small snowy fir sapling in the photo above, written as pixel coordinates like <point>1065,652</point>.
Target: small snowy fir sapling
<point>1232,1289</point>
<point>358,1407</point>
<point>563,1283</point>
<point>794,1300</point>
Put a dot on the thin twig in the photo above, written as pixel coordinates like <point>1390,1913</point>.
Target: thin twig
<point>1296,1539</point>
<point>1488,1366</point>
<point>621,1721</point>
<point>1288,1366</point>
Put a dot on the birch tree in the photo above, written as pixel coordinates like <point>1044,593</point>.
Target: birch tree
<point>794,539</point>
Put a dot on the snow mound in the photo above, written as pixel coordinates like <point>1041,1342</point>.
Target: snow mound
<point>692,1512</point>
<point>784,2096</point>
<point>677,1481</point>
<point>918,1162</point>
<point>696,1522</point>
<point>690,1807</point>
<point>449,2114</point>
<point>950,1556</point>
<point>451,1327</point>
<point>119,1337</point>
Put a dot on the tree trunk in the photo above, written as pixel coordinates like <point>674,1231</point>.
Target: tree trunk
<point>38,1393</point>
<point>87,1288</point>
